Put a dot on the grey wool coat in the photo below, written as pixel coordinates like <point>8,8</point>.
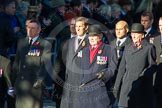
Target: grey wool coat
<point>135,76</point>
<point>79,70</point>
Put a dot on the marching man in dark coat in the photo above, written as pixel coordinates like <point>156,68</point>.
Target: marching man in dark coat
<point>92,66</point>
<point>135,74</point>
<point>30,67</point>
<point>69,56</point>
<point>157,41</point>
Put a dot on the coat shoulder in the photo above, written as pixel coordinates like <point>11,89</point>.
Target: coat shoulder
<point>4,60</point>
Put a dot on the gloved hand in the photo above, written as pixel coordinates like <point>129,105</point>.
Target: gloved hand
<point>38,84</point>
<point>100,75</point>
<point>11,91</point>
<point>115,93</point>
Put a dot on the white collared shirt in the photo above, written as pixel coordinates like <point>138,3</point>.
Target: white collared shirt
<point>34,39</point>
<point>76,41</point>
<point>148,30</point>
<point>161,38</point>
<point>72,35</point>
<point>121,40</point>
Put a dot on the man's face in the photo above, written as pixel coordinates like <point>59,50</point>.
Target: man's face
<point>33,30</point>
<point>160,25</point>
<point>137,37</point>
<point>62,9</point>
<point>11,8</point>
<point>94,39</point>
<point>146,22</point>
<point>120,31</point>
<point>72,26</point>
<point>80,28</point>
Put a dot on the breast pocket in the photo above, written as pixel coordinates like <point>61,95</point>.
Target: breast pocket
<point>33,61</point>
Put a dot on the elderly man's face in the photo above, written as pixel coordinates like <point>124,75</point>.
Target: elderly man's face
<point>137,37</point>
<point>94,39</point>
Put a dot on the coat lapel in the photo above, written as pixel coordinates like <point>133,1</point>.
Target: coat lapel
<point>81,46</point>
<point>135,50</point>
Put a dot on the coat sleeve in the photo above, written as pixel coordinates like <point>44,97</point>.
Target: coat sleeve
<point>152,68</point>
<point>112,65</point>
<point>46,65</point>
<point>16,64</point>
<point>120,74</point>
<point>7,73</point>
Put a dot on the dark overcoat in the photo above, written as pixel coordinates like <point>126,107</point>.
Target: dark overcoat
<point>152,33</point>
<point>5,72</point>
<point>158,79</point>
<point>31,65</point>
<point>5,81</point>
<point>79,70</point>
<point>135,76</point>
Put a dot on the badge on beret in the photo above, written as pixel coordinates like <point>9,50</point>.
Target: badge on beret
<point>99,51</point>
<point>83,43</point>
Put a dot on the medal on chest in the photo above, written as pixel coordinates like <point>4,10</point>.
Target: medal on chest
<point>34,52</point>
<point>101,60</point>
<point>80,54</point>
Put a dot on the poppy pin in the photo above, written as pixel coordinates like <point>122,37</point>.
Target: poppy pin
<point>83,43</point>
<point>36,43</point>
<point>99,51</point>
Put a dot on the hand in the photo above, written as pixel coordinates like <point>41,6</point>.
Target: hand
<point>115,93</point>
<point>100,75</point>
<point>11,92</point>
<point>38,84</point>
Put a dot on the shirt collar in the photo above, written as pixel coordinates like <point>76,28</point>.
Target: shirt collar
<point>148,30</point>
<point>121,40</point>
<point>34,39</point>
<point>81,37</point>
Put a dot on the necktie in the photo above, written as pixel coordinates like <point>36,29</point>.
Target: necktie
<point>79,40</point>
<point>93,48</point>
<point>30,43</point>
<point>118,43</point>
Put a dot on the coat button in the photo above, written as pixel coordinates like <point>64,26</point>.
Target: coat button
<point>24,66</point>
<point>22,77</point>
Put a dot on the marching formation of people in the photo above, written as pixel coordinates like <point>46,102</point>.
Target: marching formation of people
<point>93,53</point>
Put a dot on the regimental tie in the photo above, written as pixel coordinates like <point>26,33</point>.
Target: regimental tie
<point>118,43</point>
<point>118,50</point>
<point>30,43</point>
<point>79,40</point>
